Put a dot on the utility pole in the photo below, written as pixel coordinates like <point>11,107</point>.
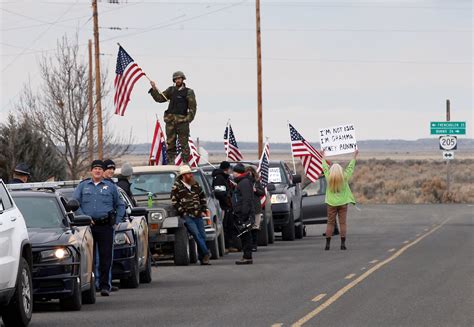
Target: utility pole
<point>448,174</point>
<point>100,139</point>
<point>259,81</point>
<point>91,106</point>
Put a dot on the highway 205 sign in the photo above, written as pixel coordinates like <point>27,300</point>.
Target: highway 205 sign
<point>448,127</point>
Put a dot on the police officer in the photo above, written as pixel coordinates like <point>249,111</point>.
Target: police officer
<point>180,113</point>
<point>109,169</point>
<point>99,198</point>
<point>21,173</point>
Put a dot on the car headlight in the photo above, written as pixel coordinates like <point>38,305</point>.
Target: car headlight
<point>56,254</point>
<point>121,239</point>
<point>156,216</point>
<point>279,198</point>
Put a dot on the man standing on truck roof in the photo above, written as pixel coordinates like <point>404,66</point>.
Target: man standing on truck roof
<point>189,200</point>
<point>180,113</point>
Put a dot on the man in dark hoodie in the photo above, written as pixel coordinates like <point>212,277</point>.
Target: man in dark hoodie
<point>222,187</point>
<point>123,181</point>
<point>243,205</point>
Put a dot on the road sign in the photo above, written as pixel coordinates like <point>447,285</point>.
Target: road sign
<point>448,155</point>
<point>448,127</point>
<point>448,142</point>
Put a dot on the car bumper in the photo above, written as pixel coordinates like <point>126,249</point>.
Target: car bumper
<point>124,259</point>
<point>211,234</point>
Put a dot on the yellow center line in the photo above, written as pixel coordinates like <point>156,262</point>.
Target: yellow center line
<point>359,279</point>
<point>391,250</point>
<point>319,297</point>
<point>374,261</point>
<point>349,276</point>
<point>277,325</point>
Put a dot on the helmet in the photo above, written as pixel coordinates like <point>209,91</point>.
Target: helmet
<point>178,74</point>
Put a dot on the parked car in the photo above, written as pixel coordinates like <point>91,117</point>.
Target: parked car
<point>132,257</point>
<point>168,236</point>
<point>314,206</point>
<point>62,246</point>
<point>16,264</point>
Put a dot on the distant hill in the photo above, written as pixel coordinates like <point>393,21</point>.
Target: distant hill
<point>420,145</point>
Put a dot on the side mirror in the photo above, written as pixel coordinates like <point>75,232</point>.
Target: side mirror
<point>271,187</point>
<point>72,205</point>
<point>296,179</point>
<point>304,194</point>
<point>138,211</point>
<point>81,220</point>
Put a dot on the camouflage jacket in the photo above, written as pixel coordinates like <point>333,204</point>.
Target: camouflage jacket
<point>168,93</point>
<point>188,202</point>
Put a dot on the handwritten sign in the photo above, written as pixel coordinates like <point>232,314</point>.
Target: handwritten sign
<point>338,140</point>
<point>274,175</point>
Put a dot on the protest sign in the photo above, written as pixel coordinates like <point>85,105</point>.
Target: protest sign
<point>338,140</point>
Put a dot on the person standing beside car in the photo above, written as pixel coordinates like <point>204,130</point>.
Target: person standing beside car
<point>338,196</point>
<point>21,173</point>
<point>189,200</point>
<point>258,191</point>
<point>243,205</point>
<point>100,199</point>
<point>123,181</point>
<point>109,169</point>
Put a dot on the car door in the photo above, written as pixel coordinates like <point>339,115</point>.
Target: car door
<point>138,229</point>
<point>314,205</point>
<point>294,192</point>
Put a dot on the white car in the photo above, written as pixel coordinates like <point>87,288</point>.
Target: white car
<point>16,287</point>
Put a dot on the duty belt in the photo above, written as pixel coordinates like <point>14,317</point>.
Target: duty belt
<point>103,221</point>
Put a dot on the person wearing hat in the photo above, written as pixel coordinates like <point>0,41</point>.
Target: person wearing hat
<point>222,188</point>
<point>21,173</point>
<point>109,169</point>
<point>123,181</point>
<point>99,198</point>
<point>243,204</point>
<point>189,200</point>
<point>180,113</point>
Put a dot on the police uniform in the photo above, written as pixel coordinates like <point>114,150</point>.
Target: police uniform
<point>102,202</point>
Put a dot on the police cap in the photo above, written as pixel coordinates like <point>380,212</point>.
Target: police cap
<point>22,169</point>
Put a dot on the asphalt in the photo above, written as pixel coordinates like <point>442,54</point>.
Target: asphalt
<point>406,265</point>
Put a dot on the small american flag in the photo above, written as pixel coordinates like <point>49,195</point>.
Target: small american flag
<point>263,167</point>
<point>194,157</point>
<point>158,147</point>
<point>310,157</point>
<point>127,74</point>
<point>230,145</point>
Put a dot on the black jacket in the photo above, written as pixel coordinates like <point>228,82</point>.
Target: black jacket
<point>16,181</point>
<point>125,185</point>
<point>222,188</point>
<point>259,191</point>
<point>243,199</point>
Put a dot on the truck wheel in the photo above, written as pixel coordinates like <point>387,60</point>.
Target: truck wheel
<point>19,310</point>
<point>221,244</point>
<point>271,231</point>
<point>181,247</point>
<point>193,253</point>
<point>299,231</point>
<point>288,231</point>
<point>74,302</point>
<point>145,276</point>
<point>134,280</point>
<point>214,248</point>
<point>88,297</point>
<point>262,236</point>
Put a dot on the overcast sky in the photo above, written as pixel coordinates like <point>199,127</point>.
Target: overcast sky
<point>385,66</point>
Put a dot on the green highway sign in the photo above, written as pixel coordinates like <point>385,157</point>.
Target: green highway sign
<point>448,127</point>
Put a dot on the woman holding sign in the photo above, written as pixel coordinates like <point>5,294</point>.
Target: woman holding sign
<point>338,196</point>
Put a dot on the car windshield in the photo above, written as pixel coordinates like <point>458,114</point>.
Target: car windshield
<point>157,183</point>
<point>40,212</point>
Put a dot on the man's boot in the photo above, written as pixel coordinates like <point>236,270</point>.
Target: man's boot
<point>206,260</point>
<point>244,261</point>
<point>343,243</point>
<point>328,243</point>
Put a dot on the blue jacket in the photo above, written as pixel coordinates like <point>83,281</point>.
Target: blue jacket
<point>98,200</point>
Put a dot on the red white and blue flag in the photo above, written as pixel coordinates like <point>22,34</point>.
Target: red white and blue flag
<point>310,157</point>
<point>230,145</point>
<point>158,147</point>
<point>194,157</point>
<point>263,168</point>
<point>127,74</point>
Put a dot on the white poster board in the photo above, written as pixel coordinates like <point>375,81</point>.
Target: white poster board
<point>274,175</point>
<point>338,139</point>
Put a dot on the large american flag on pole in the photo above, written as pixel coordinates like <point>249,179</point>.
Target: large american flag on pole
<point>310,157</point>
<point>158,147</point>
<point>194,158</point>
<point>230,145</point>
<point>263,168</point>
<point>127,74</point>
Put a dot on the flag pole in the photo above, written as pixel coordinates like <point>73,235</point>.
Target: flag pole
<point>292,154</point>
<point>226,151</point>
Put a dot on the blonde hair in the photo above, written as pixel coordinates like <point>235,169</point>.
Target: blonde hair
<point>336,178</point>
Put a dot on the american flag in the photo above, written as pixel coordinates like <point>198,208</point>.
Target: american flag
<point>128,73</point>
<point>230,145</point>
<point>263,167</point>
<point>194,157</point>
<point>158,147</point>
<point>310,157</point>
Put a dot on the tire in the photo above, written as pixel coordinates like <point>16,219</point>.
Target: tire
<point>88,297</point>
<point>214,248</point>
<point>145,276</point>
<point>193,252</point>
<point>221,244</point>
<point>299,231</point>
<point>271,231</point>
<point>133,281</point>
<point>288,231</point>
<point>262,236</point>
<point>181,247</point>
<point>20,309</point>
<point>74,302</point>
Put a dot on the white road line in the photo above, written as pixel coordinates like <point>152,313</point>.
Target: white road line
<point>374,261</point>
<point>392,250</point>
<point>319,297</point>
<point>406,242</point>
<point>350,276</point>
<point>363,268</point>
<point>277,325</point>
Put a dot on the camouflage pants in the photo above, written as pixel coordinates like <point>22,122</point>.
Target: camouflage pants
<point>177,131</point>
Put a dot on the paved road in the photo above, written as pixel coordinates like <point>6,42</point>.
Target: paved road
<point>405,266</point>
